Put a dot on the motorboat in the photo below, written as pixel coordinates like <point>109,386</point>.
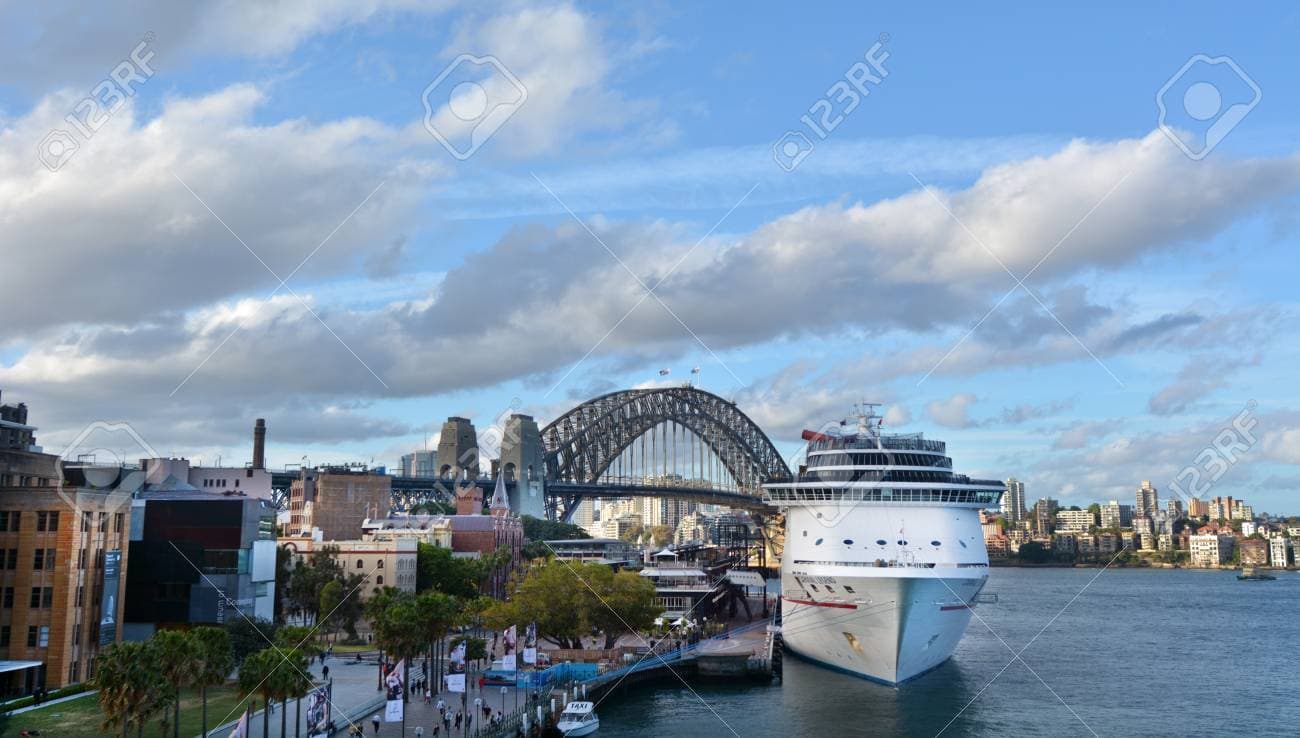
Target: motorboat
<point>578,718</point>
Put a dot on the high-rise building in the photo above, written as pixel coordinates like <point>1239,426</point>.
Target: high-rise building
<point>1115,515</point>
<point>1175,507</point>
<point>1277,551</point>
<point>1044,516</point>
<point>1148,501</point>
<point>1242,511</point>
<point>1221,508</point>
<point>1013,501</point>
<point>420,464</point>
<point>1197,509</point>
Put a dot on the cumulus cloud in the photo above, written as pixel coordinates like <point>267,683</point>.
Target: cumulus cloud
<point>1201,376</point>
<point>548,70</point>
<point>953,412</point>
<point>121,233</point>
<point>45,44</point>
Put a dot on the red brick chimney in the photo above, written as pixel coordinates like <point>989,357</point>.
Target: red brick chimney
<point>469,501</point>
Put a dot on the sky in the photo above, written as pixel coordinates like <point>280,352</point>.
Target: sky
<point>1063,240</point>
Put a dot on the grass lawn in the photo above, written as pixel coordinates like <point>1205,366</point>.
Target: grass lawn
<point>81,717</point>
<point>342,648</point>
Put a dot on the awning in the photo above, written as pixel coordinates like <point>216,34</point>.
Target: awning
<point>7,666</point>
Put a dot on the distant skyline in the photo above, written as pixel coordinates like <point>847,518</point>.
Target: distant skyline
<point>632,211</point>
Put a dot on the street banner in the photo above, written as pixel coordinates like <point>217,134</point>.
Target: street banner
<point>509,640</point>
<point>456,670</point>
<point>241,727</point>
<point>108,620</point>
<point>530,644</point>
<point>318,713</point>
<point>393,707</point>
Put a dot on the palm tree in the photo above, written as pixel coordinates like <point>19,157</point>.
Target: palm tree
<point>212,646</point>
<point>177,659</point>
<point>297,648</point>
<point>131,686</point>
<point>257,676</point>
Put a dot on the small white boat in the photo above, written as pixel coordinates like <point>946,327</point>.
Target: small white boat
<point>578,718</point>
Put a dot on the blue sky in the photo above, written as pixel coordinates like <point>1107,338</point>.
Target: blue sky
<point>1164,305</point>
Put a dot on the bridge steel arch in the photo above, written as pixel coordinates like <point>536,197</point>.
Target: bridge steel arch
<point>582,443</point>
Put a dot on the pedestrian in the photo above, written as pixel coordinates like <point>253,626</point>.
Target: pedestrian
<point>436,727</point>
<point>374,720</point>
<point>458,719</point>
<point>419,731</point>
<point>428,696</point>
<point>325,672</point>
<point>442,706</point>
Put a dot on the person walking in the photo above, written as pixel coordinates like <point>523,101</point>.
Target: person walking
<point>374,721</point>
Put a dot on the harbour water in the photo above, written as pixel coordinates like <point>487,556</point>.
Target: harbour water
<point>1136,652</point>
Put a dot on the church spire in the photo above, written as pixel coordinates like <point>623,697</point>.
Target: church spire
<point>500,500</point>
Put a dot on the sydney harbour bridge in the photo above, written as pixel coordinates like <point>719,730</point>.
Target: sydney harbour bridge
<point>680,443</point>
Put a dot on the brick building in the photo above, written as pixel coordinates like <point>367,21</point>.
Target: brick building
<point>1254,552</point>
<point>335,501</point>
<point>63,557</point>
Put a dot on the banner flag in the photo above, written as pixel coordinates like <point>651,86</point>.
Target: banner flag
<point>318,713</point>
<point>510,640</point>
<point>530,644</point>
<point>456,670</point>
<point>241,727</point>
<point>393,708</point>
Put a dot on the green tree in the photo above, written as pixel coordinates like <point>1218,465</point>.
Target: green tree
<point>567,600</point>
<point>310,577</point>
<point>1034,552</point>
<point>437,569</point>
<point>132,688</point>
<point>624,602</point>
<point>538,529</point>
<point>215,660</point>
<point>247,637</point>
<point>178,660</point>
<point>257,675</point>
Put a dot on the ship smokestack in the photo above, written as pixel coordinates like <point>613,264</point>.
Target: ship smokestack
<point>259,444</point>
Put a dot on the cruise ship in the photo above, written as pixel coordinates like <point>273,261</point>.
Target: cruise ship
<point>884,557</point>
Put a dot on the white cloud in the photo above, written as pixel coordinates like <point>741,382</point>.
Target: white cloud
<point>118,231</point>
<point>953,412</point>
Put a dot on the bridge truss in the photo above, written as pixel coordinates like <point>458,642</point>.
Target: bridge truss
<point>683,439</point>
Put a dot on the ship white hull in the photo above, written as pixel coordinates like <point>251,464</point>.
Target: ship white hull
<point>887,612</point>
<point>904,628</point>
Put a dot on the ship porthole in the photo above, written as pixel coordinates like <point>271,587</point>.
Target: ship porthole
<point>817,542</point>
<point>848,542</point>
<point>935,543</point>
<point>880,541</point>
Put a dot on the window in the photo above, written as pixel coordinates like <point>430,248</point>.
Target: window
<point>4,636</point>
<point>86,517</point>
<point>380,565</point>
<point>117,522</point>
<point>47,522</point>
<point>9,520</point>
<point>31,636</point>
<point>76,634</point>
<point>44,640</point>
<point>81,559</point>
<point>103,522</point>
<point>360,565</point>
<point>47,597</point>
<point>11,559</point>
<point>81,594</point>
<point>849,589</point>
<point>39,559</point>
<point>8,597</point>
<point>379,579</point>
<point>36,598</point>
